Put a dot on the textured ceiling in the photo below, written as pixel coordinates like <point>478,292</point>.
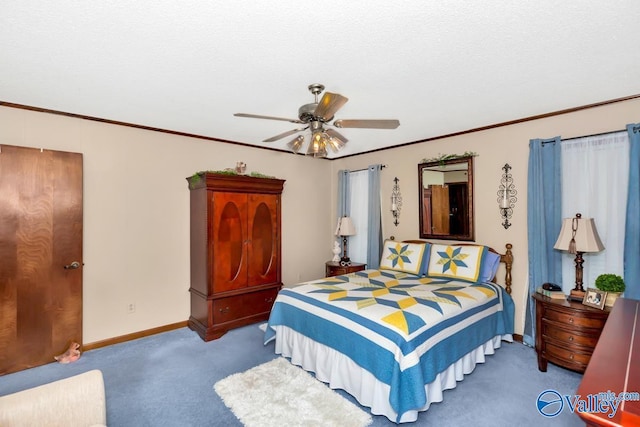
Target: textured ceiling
<point>439,67</point>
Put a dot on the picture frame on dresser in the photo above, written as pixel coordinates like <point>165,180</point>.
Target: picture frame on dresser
<point>594,298</point>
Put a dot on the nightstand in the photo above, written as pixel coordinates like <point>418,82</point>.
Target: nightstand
<point>566,332</point>
<point>333,268</point>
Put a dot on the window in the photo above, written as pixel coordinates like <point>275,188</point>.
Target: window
<point>358,186</point>
<point>595,176</point>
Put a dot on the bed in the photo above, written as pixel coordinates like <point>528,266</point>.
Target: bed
<point>396,337</point>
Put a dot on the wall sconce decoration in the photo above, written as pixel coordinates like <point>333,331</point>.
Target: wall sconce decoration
<point>506,196</point>
<point>396,201</point>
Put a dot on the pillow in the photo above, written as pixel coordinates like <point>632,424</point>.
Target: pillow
<point>489,266</point>
<point>460,262</point>
<point>405,257</point>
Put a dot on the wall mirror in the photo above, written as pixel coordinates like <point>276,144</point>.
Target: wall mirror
<point>446,199</point>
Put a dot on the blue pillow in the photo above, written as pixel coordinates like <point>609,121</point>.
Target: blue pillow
<point>489,267</point>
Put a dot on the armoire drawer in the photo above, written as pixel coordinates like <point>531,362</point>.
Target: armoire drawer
<point>227,309</point>
<point>244,305</point>
<point>261,301</point>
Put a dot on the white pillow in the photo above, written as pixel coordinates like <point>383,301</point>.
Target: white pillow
<point>405,257</point>
<point>460,262</point>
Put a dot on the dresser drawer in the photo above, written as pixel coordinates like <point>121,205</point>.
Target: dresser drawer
<point>575,319</point>
<point>571,336</point>
<point>567,354</point>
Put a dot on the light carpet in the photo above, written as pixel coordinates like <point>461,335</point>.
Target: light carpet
<point>278,393</point>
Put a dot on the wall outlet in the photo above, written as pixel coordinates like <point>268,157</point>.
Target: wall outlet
<point>131,307</point>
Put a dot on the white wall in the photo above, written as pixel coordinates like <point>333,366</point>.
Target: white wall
<point>495,147</point>
<point>136,213</point>
<point>136,208</point>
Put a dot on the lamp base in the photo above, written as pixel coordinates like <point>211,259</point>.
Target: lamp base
<point>576,295</point>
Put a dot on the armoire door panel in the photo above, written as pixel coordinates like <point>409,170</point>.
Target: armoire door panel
<point>264,239</point>
<point>229,241</point>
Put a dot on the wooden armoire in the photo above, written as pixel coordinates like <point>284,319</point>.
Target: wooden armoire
<point>235,250</point>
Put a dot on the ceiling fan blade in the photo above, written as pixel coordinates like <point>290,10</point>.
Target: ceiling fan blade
<point>334,134</point>
<point>282,135</point>
<point>329,104</point>
<point>258,116</point>
<point>367,124</point>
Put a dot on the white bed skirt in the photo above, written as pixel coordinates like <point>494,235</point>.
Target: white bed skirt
<point>340,372</point>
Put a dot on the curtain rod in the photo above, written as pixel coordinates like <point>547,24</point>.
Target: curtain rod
<point>587,136</point>
<point>364,169</point>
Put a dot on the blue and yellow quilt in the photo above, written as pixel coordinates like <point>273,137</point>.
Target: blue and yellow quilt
<point>404,329</point>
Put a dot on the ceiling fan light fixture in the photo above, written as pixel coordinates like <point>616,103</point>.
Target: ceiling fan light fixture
<point>296,144</point>
<point>317,145</point>
<point>335,144</point>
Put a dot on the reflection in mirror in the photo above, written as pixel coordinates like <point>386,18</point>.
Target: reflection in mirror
<point>446,199</point>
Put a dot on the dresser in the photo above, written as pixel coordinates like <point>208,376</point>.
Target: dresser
<point>235,251</point>
<point>566,332</point>
<point>333,268</point>
<point>615,367</point>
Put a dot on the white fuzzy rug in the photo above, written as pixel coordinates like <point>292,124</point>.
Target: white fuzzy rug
<point>278,393</point>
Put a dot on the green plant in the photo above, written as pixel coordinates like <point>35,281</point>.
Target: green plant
<point>197,177</point>
<point>442,157</point>
<point>610,283</point>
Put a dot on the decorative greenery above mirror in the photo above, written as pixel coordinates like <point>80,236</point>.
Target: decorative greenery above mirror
<point>445,197</point>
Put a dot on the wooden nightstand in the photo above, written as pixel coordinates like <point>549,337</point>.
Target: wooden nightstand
<point>566,332</point>
<point>335,269</point>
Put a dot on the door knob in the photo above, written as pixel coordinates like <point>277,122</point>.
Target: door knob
<point>72,266</point>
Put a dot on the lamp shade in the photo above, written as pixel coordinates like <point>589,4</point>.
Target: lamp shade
<point>345,227</point>
<point>579,235</point>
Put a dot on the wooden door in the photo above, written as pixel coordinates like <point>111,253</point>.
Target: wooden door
<point>458,198</point>
<point>229,241</point>
<point>40,234</point>
<point>440,209</point>
<point>264,240</point>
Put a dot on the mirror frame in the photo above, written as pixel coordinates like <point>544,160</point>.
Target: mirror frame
<point>470,234</point>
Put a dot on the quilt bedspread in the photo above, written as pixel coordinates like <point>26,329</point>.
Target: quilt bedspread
<point>402,328</point>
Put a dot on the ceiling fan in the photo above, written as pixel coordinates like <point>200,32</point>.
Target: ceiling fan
<point>316,116</point>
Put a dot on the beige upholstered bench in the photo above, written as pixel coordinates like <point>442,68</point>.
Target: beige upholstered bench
<point>77,401</point>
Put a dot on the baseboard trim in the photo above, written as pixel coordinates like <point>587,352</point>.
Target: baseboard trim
<point>166,328</point>
<point>133,336</point>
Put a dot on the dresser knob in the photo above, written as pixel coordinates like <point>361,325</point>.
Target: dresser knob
<point>571,357</point>
<point>224,310</point>
<point>570,338</point>
<point>571,320</point>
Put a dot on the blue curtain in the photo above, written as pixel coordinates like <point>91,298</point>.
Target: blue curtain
<point>544,218</point>
<point>632,225</point>
<point>344,196</point>
<point>374,222</point>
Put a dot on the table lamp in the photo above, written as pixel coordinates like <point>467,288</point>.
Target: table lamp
<point>578,236</point>
<point>345,228</point>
